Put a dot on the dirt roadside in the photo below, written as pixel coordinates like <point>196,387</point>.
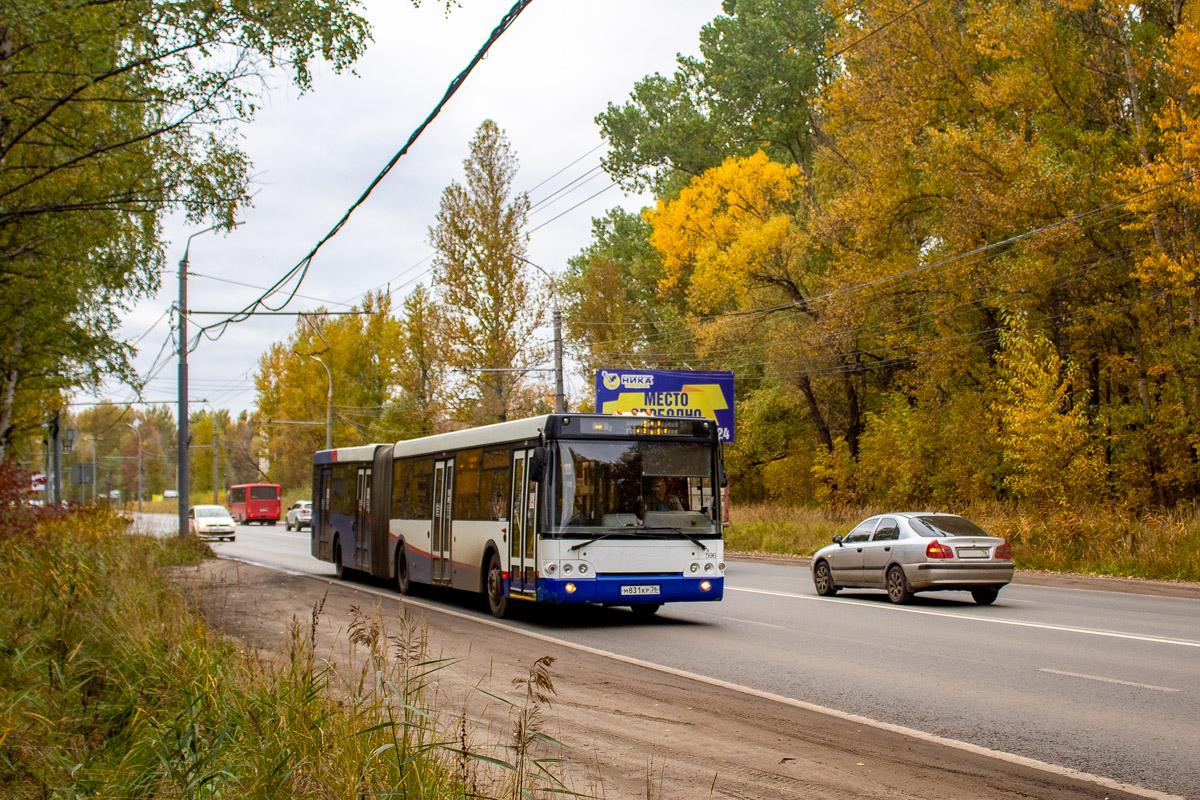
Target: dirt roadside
<point>631,731</point>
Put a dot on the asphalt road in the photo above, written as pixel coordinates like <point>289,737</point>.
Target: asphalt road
<point>1101,682</point>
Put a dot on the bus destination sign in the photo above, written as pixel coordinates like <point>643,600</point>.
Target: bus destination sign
<point>668,393</point>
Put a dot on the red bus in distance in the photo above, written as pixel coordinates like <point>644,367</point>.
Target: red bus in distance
<point>254,502</point>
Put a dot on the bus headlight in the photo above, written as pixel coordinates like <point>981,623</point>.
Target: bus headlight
<point>566,569</point>
<point>705,586</point>
<point>708,567</point>
<point>583,568</point>
<point>694,568</point>
<point>721,566</point>
<point>551,568</point>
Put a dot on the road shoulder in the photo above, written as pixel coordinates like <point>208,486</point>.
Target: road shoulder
<point>630,731</point>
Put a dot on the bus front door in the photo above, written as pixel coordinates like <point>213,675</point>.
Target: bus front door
<point>523,546</point>
<point>362,521</point>
<point>443,495</point>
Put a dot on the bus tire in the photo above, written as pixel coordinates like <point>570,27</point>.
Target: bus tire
<point>645,610</point>
<point>403,581</point>
<point>339,569</point>
<point>497,599</point>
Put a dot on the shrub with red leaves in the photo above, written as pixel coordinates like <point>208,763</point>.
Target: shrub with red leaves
<point>18,515</point>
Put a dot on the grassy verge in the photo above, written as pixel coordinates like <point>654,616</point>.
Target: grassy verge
<point>111,688</point>
<point>1102,542</point>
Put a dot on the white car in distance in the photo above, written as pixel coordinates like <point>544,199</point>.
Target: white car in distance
<point>211,522</point>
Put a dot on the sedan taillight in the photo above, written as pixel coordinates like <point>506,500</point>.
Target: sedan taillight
<point>938,550</point>
<point>1003,551</point>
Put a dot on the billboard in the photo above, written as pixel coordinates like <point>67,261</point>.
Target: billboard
<point>668,393</point>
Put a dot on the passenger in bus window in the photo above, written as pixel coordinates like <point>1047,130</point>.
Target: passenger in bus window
<point>499,507</point>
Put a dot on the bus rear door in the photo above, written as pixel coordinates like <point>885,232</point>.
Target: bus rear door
<point>322,529</point>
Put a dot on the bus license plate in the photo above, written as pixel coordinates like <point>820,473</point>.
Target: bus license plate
<point>627,591</point>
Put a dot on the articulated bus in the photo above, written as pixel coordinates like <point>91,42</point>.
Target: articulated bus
<point>564,508</point>
<point>254,502</point>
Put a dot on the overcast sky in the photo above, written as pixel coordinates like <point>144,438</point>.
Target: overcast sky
<point>543,82</point>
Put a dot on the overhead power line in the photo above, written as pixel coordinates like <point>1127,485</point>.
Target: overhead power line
<point>299,271</point>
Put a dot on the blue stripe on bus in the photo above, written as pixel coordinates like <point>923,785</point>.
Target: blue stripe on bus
<point>607,589</point>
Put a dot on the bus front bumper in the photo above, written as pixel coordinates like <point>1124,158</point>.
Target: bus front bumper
<point>625,590</point>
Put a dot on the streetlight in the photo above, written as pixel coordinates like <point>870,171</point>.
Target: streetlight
<point>184,483</point>
<point>560,400</point>
<point>328,405</point>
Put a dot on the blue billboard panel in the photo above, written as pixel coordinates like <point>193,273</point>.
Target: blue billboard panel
<point>668,393</point>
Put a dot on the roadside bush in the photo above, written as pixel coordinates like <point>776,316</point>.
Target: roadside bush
<point>1097,541</point>
<point>110,687</point>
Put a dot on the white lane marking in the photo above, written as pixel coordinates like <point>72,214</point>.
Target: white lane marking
<point>992,620</point>
<point>1150,686</point>
<point>754,622</point>
<point>1000,755</point>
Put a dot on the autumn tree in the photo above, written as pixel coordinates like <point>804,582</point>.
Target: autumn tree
<point>360,351</point>
<point>491,305</point>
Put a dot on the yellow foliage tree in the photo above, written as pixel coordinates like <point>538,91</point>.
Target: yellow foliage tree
<point>1048,442</point>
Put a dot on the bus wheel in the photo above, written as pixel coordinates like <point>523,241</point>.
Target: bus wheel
<point>338,568</point>
<point>497,599</point>
<point>645,610</point>
<point>403,582</point>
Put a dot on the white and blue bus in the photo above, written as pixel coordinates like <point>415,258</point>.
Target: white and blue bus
<point>564,508</point>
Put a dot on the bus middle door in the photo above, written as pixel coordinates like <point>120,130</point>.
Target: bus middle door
<point>443,495</point>
<point>362,521</point>
<point>523,547</point>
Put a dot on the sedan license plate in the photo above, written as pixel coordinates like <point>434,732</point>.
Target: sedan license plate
<point>972,552</point>
<point>627,591</point>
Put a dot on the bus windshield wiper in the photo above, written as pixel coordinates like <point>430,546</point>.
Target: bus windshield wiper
<point>589,541</point>
<point>690,537</point>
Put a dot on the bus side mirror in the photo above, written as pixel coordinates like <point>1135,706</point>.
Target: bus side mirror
<point>724,477</point>
<point>537,464</point>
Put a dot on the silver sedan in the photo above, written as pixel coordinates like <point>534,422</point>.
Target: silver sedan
<point>910,552</point>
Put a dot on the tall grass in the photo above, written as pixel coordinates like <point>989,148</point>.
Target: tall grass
<point>1163,545</point>
<point>110,687</point>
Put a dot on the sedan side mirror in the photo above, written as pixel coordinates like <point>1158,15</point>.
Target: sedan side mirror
<point>838,540</point>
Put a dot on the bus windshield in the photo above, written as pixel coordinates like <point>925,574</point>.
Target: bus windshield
<point>638,485</point>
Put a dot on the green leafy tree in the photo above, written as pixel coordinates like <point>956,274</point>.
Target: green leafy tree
<point>490,303</point>
<point>752,89</point>
<point>113,114</point>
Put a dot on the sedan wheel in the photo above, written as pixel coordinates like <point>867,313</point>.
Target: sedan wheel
<point>897,586</point>
<point>823,580</point>
<point>985,595</point>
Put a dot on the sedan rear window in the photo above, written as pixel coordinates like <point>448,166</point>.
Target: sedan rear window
<point>946,526</point>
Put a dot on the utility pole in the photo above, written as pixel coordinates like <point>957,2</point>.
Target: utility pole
<point>56,458</point>
<point>215,471</point>
<point>185,435</point>
<point>137,429</point>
